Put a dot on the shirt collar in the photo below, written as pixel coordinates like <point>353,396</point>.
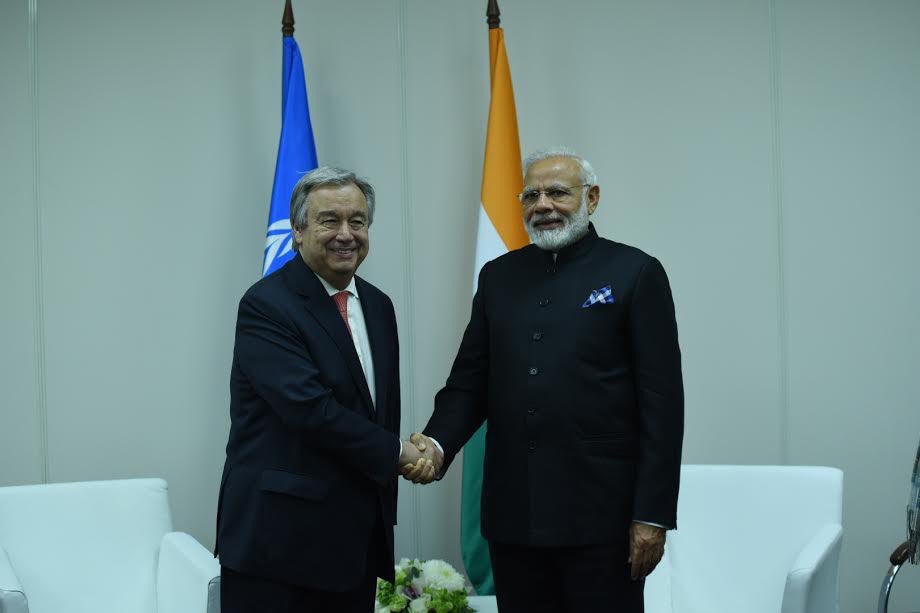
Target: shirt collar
<point>351,288</point>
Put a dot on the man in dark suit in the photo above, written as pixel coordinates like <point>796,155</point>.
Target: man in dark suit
<point>571,354</point>
<point>308,494</point>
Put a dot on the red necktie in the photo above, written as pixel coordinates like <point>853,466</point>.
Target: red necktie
<point>341,302</point>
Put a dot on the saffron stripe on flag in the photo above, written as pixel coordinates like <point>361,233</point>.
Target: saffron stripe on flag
<point>501,229</point>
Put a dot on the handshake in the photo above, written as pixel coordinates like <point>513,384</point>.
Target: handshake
<point>421,459</point>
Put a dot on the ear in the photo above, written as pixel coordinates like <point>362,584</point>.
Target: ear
<point>297,238</point>
<point>594,196</point>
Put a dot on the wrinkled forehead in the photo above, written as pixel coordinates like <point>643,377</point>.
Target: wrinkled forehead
<point>339,200</point>
<point>553,171</point>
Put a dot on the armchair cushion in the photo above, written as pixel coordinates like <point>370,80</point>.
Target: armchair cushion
<point>188,576</point>
<point>12,598</point>
<point>86,547</point>
<point>747,535</point>
<point>811,584</point>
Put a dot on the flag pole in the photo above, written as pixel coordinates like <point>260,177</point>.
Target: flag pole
<point>287,20</point>
<point>493,15</point>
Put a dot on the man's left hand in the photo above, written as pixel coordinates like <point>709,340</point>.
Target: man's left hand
<point>646,546</point>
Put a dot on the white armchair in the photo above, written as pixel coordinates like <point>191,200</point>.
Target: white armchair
<point>758,539</point>
<point>100,547</point>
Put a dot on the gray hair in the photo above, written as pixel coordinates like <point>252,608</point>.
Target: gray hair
<point>322,177</point>
<point>587,171</point>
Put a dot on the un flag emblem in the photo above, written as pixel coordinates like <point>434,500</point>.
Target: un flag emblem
<point>278,244</point>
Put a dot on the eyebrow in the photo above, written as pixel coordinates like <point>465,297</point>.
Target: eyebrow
<point>531,188</point>
<point>335,214</point>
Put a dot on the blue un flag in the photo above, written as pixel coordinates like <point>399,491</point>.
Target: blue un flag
<point>296,156</point>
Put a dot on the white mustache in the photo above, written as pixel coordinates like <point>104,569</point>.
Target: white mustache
<point>545,218</point>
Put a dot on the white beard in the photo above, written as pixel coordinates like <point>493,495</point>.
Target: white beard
<point>572,229</point>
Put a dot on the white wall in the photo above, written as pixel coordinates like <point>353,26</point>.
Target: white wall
<point>21,450</point>
<point>767,152</point>
<point>850,166</point>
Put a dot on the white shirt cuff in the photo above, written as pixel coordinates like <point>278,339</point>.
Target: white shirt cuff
<point>651,523</point>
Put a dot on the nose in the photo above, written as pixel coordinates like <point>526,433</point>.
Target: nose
<point>544,204</point>
<point>344,234</point>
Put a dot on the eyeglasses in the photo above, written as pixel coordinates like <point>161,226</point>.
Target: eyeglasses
<point>557,193</point>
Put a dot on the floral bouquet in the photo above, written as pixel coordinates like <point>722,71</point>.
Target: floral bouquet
<point>423,587</point>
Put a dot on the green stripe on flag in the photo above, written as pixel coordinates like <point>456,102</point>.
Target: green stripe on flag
<point>474,547</point>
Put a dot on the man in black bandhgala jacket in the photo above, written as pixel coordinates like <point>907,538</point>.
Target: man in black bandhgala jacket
<point>571,356</point>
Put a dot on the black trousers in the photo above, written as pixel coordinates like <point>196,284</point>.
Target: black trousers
<point>564,579</point>
<point>242,593</point>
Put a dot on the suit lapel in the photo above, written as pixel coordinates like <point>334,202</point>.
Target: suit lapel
<point>322,307</point>
<point>378,337</point>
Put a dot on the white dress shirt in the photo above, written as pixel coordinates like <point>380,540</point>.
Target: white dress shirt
<point>359,336</point>
<point>358,332</point>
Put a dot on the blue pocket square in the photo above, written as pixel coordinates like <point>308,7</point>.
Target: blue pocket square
<point>603,295</point>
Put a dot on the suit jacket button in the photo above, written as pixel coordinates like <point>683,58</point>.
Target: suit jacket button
<point>544,302</point>
<point>533,445</point>
<point>537,336</point>
<point>534,371</point>
<point>531,411</point>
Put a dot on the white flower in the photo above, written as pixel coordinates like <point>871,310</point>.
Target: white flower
<point>439,574</point>
<point>420,605</point>
<point>419,584</point>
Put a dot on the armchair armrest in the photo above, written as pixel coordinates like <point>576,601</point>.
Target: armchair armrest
<point>188,576</point>
<point>811,584</point>
<point>12,596</point>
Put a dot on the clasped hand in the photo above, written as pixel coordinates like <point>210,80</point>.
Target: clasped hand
<point>421,460</point>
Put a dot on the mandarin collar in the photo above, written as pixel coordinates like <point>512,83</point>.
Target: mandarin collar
<point>576,249</point>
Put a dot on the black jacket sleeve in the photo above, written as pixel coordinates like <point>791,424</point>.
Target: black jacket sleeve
<point>460,407</point>
<point>659,384</point>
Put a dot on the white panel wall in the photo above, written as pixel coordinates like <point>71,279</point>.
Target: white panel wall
<point>22,406</point>
<point>851,163</point>
<point>446,56</point>
<point>152,183</point>
<point>765,152</point>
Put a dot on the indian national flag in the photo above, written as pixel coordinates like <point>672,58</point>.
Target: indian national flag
<point>501,229</point>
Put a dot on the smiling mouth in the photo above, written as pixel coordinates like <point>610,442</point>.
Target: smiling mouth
<point>344,253</point>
